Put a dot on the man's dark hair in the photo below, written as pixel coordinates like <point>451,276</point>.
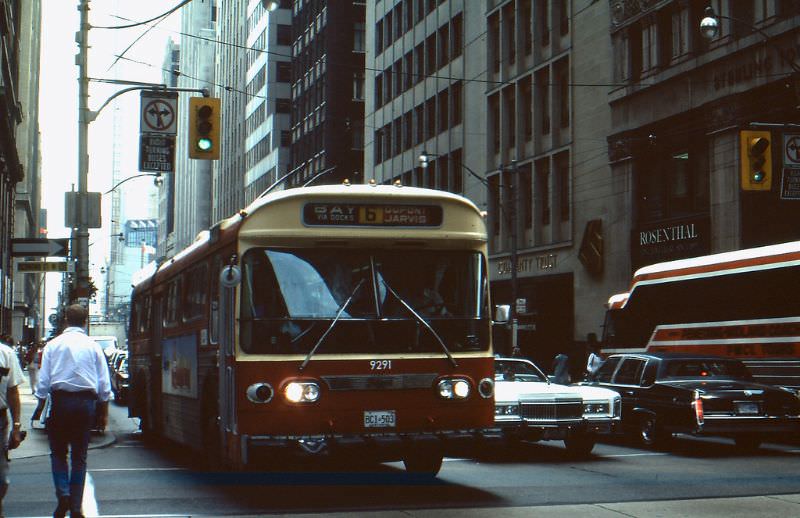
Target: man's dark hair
<point>76,315</point>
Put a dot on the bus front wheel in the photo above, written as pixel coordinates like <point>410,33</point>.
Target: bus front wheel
<point>423,463</point>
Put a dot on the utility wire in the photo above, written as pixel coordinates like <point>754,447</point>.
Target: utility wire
<point>144,22</point>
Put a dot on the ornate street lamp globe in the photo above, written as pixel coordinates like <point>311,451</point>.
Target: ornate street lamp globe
<point>709,25</point>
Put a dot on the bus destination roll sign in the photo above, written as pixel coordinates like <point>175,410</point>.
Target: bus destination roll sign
<point>365,214</point>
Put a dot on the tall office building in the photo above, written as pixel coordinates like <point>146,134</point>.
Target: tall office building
<point>426,62</point>
<point>20,174</point>
<point>190,186</point>
<point>327,91</point>
<point>253,63</point>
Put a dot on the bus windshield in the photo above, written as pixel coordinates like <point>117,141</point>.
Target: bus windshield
<point>290,297</point>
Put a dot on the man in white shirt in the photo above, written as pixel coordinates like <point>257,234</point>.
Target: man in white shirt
<point>75,375</point>
<point>10,379</point>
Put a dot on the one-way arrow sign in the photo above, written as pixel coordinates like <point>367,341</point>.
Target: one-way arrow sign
<point>39,247</point>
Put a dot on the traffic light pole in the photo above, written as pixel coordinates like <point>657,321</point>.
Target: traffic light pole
<point>81,290</point>
<point>80,293</point>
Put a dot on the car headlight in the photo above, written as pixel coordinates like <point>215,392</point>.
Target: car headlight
<point>453,388</point>
<point>506,410</point>
<point>593,408</point>
<point>301,392</point>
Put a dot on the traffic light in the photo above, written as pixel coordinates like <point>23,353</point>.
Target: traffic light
<point>756,159</point>
<point>204,122</point>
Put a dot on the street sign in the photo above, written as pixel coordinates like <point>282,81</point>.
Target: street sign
<point>791,150</point>
<point>790,184</point>
<point>157,153</point>
<point>36,247</point>
<point>44,267</point>
<point>159,112</point>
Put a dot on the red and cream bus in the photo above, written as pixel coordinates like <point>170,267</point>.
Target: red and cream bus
<point>742,304</point>
<point>321,318</point>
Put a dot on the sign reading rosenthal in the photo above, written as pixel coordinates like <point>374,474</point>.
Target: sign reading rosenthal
<point>157,128</point>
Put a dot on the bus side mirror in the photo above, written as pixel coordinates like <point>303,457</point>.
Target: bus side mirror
<point>502,314</point>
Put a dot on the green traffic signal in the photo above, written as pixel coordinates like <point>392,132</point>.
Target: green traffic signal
<point>204,144</point>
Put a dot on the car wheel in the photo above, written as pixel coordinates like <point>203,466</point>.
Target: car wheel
<point>650,433</point>
<point>580,444</point>
<point>423,462</point>
<point>748,441</point>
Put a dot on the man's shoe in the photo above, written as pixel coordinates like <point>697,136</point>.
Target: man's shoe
<point>63,507</point>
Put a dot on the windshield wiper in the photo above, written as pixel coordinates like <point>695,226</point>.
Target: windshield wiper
<point>421,320</point>
<point>330,327</point>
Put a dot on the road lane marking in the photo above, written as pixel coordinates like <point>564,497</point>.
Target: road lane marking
<point>651,454</point>
<point>89,503</point>
<point>102,470</point>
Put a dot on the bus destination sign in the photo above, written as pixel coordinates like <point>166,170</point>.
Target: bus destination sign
<point>367,214</point>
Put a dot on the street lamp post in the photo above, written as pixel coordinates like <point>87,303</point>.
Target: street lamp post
<point>709,28</point>
<point>511,218</point>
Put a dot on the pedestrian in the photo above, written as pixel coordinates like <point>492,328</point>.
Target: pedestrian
<point>74,374</point>
<point>33,359</point>
<point>11,377</point>
<point>594,359</point>
<point>561,369</point>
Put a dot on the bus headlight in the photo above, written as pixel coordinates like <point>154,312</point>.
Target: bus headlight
<point>301,392</point>
<point>260,393</point>
<point>486,388</point>
<point>453,388</point>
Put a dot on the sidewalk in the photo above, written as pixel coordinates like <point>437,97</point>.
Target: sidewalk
<point>35,444</point>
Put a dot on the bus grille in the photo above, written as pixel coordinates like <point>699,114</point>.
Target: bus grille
<point>550,411</point>
<point>385,382</point>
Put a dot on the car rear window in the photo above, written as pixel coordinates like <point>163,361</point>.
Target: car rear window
<point>706,368</point>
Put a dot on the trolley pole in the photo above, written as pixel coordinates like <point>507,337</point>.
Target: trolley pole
<point>512,216</point>
<point>81,290</point>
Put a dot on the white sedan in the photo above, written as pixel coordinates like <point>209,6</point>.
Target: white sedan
<point>528,406</point>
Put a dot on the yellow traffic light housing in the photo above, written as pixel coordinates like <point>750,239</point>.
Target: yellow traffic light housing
<point>204,128</point>
<point>756,159</point>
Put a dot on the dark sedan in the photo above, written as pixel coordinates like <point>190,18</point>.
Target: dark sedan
<point>664,394</point>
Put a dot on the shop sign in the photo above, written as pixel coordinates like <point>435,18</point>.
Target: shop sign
<point>669,240</point>
<point>529,264</point>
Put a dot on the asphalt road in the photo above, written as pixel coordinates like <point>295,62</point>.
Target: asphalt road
<point>696,478</point>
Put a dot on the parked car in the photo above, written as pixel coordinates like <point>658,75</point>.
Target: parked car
<point>119,379</point>
<point>528,406</point>
<point>668,393</point>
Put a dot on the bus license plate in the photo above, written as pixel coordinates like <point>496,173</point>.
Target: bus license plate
<point>746,408</point>
<point>379,419</point>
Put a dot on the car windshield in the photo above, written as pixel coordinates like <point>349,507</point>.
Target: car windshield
<point>706,368</point>
<point>359,301</point>
<point>510,370</point>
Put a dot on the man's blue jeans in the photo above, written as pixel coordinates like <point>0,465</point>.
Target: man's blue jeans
<point>68,427</point>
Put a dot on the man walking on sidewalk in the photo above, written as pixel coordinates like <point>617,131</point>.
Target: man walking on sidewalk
<point>10,378</point>
<point>75,375</point>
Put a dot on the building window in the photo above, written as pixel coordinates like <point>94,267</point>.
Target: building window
<point>526,195</point>
<point>526,26</point>
<point>542,190</point>
<point>561,161</point>
<point>526,108</point>
<point>543,95</point>
<point>542,18</point>
<point>379,37</point>
<point>562,76</point>
<point>494,43</point>
<point>494,122</point>
<point>283,105</point>
<point>359,32</point>
<point>284,34</point>
<point>509,33</point>
<point>430,116</point>
<point>284,71</point>
<point>457,100</point>
<point>444,114</point>
<point>457,35</point>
